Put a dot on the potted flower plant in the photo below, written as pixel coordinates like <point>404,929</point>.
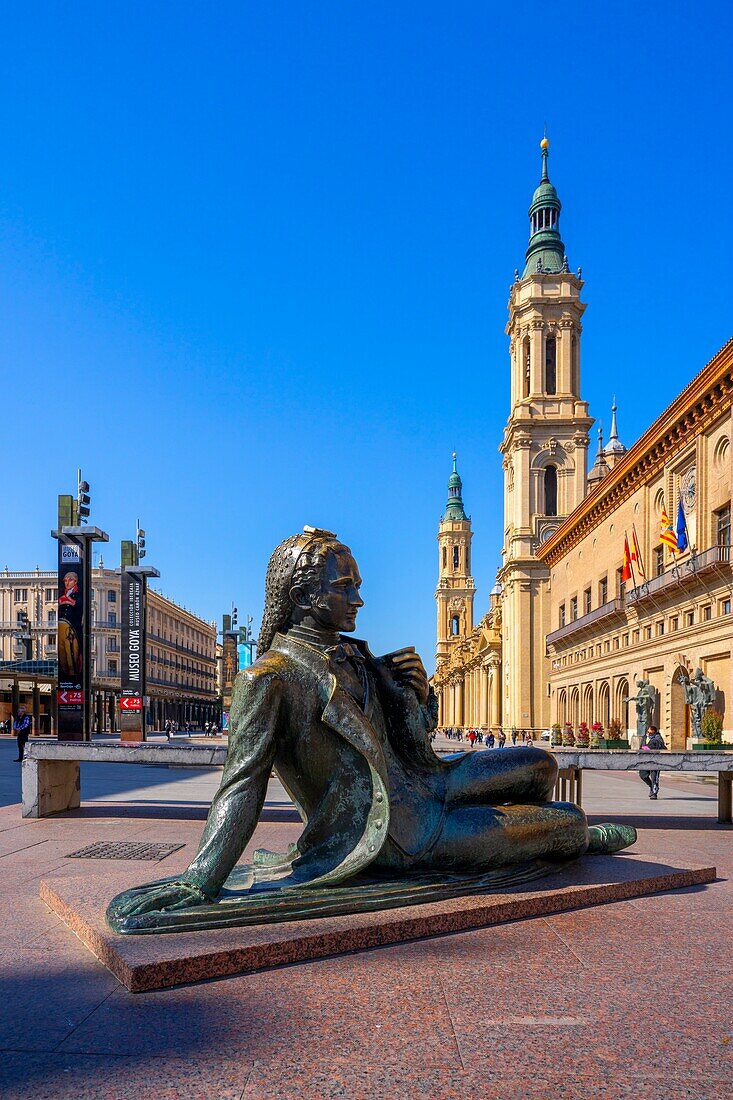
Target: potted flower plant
<point>712,732</point>
<point>568,737</point>
<point>596,734</point>
<point>615,739</point>
<point>582,739</point>
<point>556,735</point>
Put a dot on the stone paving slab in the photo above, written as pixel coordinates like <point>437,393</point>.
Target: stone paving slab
<point>161,961</point>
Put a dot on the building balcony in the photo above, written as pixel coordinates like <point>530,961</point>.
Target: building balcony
<point>577,627</point>
<point>680,574</point>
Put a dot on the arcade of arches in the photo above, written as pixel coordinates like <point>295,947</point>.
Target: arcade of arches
<point>674,616</point>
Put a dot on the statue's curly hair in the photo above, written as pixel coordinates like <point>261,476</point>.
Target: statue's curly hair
<point>295,563</point>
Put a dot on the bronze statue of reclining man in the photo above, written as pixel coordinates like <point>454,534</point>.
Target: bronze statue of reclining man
<point>348,735</point>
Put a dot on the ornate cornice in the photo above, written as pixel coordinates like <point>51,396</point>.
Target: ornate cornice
<point>709,394</point>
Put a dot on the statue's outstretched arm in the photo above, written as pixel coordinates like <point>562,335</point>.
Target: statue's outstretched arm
<point>238,803</point>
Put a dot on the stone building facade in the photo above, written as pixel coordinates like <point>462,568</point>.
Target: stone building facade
<point>181,651</point>
<point>673,615</point>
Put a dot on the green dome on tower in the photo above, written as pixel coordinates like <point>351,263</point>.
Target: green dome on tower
<point>545,253</point>
<point>454,508</point>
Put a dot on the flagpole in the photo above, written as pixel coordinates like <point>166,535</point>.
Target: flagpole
<point>631,560</point>
<point>641,558</point>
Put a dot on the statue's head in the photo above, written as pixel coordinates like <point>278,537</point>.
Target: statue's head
<point>311,576</point>
<point>640,683</point>
<point>698,674</point>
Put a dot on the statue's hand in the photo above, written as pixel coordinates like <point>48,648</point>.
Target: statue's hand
<point>409,671</point>
<point>155,899</point>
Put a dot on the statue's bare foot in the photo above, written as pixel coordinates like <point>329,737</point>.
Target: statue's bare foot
<point>155,899</point>
<point>609,838</point>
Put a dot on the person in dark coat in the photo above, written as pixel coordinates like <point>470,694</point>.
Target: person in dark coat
<point>652,740</point>
<point>22,726</point>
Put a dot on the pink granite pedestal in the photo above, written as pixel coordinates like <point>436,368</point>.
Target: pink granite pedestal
<point>161,961</point>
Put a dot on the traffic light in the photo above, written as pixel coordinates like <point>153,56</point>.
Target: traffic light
<point>83,500</point>
<point>141,551</point>
<point>26,642</point>
<point>234,617</point>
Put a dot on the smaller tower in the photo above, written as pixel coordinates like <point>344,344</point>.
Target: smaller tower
<point>456,589</point>
<point>615,450</point>
<point>600,466</point>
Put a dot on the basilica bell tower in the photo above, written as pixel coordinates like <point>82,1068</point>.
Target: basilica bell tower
<point>545,449</point>
<point>456,589</point>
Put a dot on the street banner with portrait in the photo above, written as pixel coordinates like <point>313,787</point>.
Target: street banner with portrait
<point>71,622</point>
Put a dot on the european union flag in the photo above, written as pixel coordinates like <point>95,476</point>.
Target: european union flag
<point>681,532</point>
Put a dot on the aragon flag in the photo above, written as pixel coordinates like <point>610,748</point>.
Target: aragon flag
<point>626,570</point>
<point>666,532</point>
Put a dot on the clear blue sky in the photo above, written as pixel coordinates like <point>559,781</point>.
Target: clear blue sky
<point>255,260</point>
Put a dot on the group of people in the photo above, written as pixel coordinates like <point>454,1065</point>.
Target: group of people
<point>487,737</point>
<point>171,728</point>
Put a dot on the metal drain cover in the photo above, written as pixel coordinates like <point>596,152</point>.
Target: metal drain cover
<point>125,849</point>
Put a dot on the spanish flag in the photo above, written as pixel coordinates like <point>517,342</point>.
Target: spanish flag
<point>666,532</point>
<point>626,569</point>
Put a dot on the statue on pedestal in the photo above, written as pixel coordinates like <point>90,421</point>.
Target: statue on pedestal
<point>700,692</point>
<point>386,821</point>
<point>645,699</point>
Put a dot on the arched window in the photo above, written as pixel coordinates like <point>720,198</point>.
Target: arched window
<point>574,364</point>
<point>468,559</point>
<point>456,557</point>
<point>525,367</point>
<point>445,557</point>
<point>550,490</point>
<point>550,365</point>
<point>455,626</point>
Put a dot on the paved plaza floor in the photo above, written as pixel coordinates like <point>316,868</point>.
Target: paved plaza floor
<point>627,1000</point>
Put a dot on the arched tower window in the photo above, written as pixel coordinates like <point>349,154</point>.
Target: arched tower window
<point>455,625</point>
<point>551,490</point>
<point>550,365</point>
<point>456,557</point>
<point>445,557</point>
<point>574,364</point>
<point>468,559</point>
<point>525,367</point>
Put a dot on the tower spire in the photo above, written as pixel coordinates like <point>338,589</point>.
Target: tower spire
<point>454,507</point>
<point>615,448</point>
<point>600,466</point>
<point>545,253</point>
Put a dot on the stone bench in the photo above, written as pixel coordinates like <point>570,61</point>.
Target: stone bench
<point>51,773</point>
<point>573,762</point>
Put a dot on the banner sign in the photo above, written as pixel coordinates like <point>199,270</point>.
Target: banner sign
<point>133,644</point>
<point>244,652</point>
<point>73,646</point>
<point>230,660</point>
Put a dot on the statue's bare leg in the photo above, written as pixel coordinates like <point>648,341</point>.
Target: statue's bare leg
<point>484,837</point>
<point>496,776</point>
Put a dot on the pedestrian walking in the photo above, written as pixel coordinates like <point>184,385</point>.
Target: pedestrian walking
<point>22,727</point>
<point>502,739</point>
<point>491,740</point>
<point>651,740</point>
<point>472,737</point>
<point>514,736</point>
